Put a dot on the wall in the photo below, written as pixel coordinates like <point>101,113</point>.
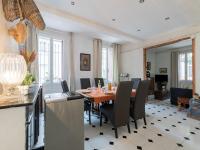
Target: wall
<point>131,62</point>
<point>7,43</point>
<point>197,59</point>
<point>82,44</point>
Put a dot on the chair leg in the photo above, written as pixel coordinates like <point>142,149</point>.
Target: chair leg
<point>100,119</point>
<point>116,133</point>
<point>145,122</point>
<point>135,121</point>
<point>89,116</point>
<point>128,126</point>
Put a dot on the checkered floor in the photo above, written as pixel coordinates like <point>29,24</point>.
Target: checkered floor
<point>167,129</point>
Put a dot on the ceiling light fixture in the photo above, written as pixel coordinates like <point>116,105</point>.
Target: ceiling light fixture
<point>72,3</point>
<point>167,18</point>
<point>113,19</point>
<point>141,1</point>
<point>138,30</point>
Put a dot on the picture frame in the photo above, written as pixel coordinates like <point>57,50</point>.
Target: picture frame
<point>148,65</point>
<point>85,62</point>
<point>163,70</point>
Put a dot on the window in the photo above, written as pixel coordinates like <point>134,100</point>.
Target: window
<point>107,64</point>
<point>50,59</point>
<point>185,66</point>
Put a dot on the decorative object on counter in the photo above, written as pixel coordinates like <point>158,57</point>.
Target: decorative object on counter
<point>13,71</point>
<point>109,86</point>
<point>196,96</point>
<point>27,84</point>
<point>19,32</point>
<point>85,62</point>
<point>124,76</point>
<point>148,65</point>
<point>29,57</point>
<point>23,9</point>
<point>163,70</point>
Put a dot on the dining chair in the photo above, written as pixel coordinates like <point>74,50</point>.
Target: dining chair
<point>135,82</point>
<point>118,113</point>
<point>87,103</point>
<point>96,80</point>
<point>85,83</point>
<point>137,106</point>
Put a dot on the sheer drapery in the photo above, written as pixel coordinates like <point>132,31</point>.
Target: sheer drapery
<point>116,59</point>
<point>174,69</point>
<point>71,71</point>
<point>97,58</point>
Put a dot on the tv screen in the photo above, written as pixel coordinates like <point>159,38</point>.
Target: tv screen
<point>161,78</point>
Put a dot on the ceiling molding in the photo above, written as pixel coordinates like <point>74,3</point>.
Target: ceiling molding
<point>44,8</point>
<point>173,35</point>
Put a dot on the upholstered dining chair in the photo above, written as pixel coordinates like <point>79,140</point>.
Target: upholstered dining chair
<point>137,106</point>
<point>96,80</point>
<point>135,82</point>
<point>85,83</point>
<point>118,113</point>
<point>87,103</point>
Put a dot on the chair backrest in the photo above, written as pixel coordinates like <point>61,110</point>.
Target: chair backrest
<point>64,86</point>
<point>135,82</point>
<point>85,83</point>
<point>141,95</point>
<point>122,103</point>
<point>96,80</point>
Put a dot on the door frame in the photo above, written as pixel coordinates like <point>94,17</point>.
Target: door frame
<point>172,42</point>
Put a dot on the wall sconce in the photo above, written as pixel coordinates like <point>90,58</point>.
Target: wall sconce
<point>13,70</point>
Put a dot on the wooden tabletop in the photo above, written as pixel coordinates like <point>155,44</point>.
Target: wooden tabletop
<point>100,95</point>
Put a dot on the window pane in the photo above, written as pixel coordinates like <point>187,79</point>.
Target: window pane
<point>110,65</point>
<point>57,60</point>
<point>189,66</point>
<point>44,59</point>
<point>104,63</point>
<point>182,67</point>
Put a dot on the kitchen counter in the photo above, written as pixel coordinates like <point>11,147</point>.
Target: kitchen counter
<point>19,101</point>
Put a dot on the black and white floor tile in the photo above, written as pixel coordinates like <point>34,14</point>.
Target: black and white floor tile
<point>167,129</point>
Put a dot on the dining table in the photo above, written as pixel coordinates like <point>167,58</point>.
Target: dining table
<point>100,95</point>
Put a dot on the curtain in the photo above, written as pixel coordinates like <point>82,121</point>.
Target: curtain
<point>71,71</point>
<point>116,56</point>
<point>174,69</point>
<point>97,56</point>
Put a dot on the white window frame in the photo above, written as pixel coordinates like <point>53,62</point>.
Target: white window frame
<point>186,64</point>
<point>52,36</point>
<point>107,61</point>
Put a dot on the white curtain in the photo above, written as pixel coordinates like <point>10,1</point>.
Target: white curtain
<point>97,58</point>
<point>116,59</point>
<point>71,71</point>
<point>174,69</point>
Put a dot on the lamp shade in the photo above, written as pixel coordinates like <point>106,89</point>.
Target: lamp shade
<point>13,69</point>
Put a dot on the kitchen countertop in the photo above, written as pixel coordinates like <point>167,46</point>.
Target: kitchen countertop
<point>20,100</point>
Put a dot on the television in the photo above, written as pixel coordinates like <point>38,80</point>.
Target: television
<point>161,78</point>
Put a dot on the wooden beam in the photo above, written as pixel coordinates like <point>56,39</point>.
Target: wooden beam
<point>167,43</point>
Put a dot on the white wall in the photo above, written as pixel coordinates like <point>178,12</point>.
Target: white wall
<point>7,43</point>
<point>131,62</point>
<point>82,44</point>
<point>197,59</point>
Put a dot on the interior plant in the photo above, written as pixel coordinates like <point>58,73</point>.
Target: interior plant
<point>29,79</point>
<point>29,57</point>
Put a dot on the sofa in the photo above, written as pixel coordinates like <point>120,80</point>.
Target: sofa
<point>179,92</point>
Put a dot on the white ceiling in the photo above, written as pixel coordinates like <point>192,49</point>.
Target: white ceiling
<point>94,16</point>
